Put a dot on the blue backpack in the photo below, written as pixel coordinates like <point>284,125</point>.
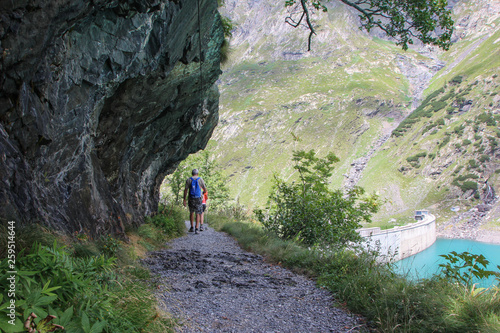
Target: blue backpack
<point>195,189</point>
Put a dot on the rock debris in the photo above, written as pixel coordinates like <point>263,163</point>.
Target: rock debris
<point>211,285</point>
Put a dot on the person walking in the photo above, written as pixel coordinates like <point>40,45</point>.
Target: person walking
<point>204,205</point>
<point>194,185</point>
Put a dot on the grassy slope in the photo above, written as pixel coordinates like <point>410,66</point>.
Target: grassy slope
<point>417,188</point>
<point>264,101</point>
<point>313,98</point>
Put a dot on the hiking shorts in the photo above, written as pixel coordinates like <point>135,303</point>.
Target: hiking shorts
<point>195,205</point>
<point>204,207</point>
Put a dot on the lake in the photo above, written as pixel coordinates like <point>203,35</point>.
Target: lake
<point>426,263</point>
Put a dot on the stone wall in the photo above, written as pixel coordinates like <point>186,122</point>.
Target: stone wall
<point>99,100</point>
<point>401,242</point>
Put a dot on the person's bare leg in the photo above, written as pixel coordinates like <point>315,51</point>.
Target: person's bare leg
<point>191,219</point>
<point>198,220</point>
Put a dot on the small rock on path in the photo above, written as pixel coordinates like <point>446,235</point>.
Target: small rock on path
<point>212,285</point>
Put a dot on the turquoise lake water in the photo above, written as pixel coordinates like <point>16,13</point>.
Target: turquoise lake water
<point>426,263</point>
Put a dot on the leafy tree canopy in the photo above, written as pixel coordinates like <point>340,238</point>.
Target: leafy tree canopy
<point>404,20</point>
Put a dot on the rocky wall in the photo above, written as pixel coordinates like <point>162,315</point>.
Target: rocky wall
<point>99,100</point>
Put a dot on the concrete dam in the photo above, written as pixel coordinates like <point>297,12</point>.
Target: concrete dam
<point>402,241</point>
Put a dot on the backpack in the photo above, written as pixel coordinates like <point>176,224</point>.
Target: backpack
<point>195,189</point>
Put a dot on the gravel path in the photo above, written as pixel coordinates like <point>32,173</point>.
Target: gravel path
<point>212,285</point>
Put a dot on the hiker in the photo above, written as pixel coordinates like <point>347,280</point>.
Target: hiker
<point>204,205</point>
<point>194,185</point>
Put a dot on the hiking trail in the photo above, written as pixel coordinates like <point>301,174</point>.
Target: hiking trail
<point>211,285</point>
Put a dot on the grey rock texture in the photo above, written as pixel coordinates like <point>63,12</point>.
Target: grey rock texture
<point>98,101</point>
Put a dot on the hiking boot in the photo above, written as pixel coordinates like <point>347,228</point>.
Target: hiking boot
<point>196,230</point>
<point>201,227</point>
<point>191,229</point>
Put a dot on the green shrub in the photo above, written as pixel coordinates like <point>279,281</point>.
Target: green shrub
<point>465,268</point>
<point>52,282</point>
<point>433,95</point>
<point>459,130</point>
<point>473,164</point>
<point>466,142</point>
<point>420,112</point>
<point>493,142</point>
<point>468,176</point>
<point>477,137</point>
<point>85,293</point>
<point>468,185</point>
<point>26,237</point>
<point>436,106</point>
<point>416,157</point>
<point>486,118</point>
<point>169,221</point>
<point>484,158</point>
<point>85,250</point>
<point>109,245</point>
<point>227,26</point>
<point>445,141</point>
<point>148,230</point>
<point>456,80</point>
<point>428,128</point>
<point>309,211</point>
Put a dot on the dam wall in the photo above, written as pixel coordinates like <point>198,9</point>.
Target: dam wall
<point>401,242</point>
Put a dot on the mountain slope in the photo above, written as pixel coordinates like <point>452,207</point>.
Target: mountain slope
<point>349,94</point>
<point>458,131</point>
<point>341,97</point>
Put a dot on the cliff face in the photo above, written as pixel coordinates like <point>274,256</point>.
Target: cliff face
<point>99,100</point>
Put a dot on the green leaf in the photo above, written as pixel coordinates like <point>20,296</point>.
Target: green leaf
<point>27,273</point>
<point>17,327</point>
<point>66,316</point>
<point>85,322</point>
<point>45,300</point>
<point>98,327</point>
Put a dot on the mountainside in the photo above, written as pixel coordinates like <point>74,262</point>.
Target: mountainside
<point>348,95</point>
<point>98,101</point>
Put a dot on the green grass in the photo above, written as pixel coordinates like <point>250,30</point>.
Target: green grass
<point>90,286</point>
<point>390,302</point>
